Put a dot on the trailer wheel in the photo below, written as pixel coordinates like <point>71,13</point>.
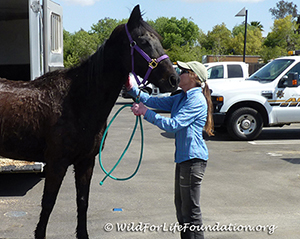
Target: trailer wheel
<point>245,124</point>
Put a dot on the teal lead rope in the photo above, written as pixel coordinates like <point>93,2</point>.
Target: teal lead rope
<point>108,174</point>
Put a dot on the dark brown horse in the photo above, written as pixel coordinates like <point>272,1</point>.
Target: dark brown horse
<point>59,118</point>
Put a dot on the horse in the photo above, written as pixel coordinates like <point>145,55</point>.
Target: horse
<point>59,118</point>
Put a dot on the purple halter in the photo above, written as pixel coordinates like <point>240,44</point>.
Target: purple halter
<point>152,62</point>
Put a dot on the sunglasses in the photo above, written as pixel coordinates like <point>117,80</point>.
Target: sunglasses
<point>184,71</point>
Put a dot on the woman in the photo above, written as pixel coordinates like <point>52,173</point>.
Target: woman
<point>191,111</point>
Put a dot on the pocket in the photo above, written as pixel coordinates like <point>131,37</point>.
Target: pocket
<point>198,171</point>
<point>192,172</point>
<point>185,175</point>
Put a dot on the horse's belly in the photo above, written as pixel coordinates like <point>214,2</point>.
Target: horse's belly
<point>23,147</point>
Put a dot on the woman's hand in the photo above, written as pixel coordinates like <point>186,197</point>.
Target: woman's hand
<point>128,84</point>
<point>139,109</point>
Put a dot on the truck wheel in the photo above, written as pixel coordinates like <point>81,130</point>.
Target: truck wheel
<point>245,124</point>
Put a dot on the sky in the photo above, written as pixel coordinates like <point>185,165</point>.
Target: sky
<point>81,14</point>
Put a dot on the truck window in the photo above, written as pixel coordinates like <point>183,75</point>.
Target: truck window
<point>215,72</point>
<point>271,71</point>
<point>234,71</point>
<point>296,68</point>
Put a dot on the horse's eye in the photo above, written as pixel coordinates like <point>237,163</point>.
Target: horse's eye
<point>142,41</point>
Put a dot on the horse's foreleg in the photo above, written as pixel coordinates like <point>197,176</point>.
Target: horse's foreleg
<point>53,181</point>
<point>83,175</point>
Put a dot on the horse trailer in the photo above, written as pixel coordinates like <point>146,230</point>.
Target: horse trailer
<point>31,44</point>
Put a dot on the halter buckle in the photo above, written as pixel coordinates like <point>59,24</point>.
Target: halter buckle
<point>153,64</point>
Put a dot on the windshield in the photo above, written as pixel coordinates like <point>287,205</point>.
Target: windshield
<point>270,71</point>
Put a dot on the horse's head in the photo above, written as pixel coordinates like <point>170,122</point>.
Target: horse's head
<point>148,56</point>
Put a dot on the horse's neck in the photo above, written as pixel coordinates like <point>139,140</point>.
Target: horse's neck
<point>96,86</point>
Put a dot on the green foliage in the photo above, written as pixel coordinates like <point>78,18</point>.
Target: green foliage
<point>268,53</point>
<point>241,29</point>
<point>104,28</point>
<point>173,31</point>
<point>186,53</point>
<point>284,9</point>
<point>184,40</point>
<point>257,25</point>
<point>82,44</point>
<point>253,44</point>
<point>283,35</point>
<point>218,40</point>
<point>78,46</point>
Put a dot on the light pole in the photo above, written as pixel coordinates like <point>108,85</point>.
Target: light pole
<point>244,13</point>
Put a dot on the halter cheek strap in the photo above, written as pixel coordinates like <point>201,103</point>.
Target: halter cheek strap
<point>153,63</point>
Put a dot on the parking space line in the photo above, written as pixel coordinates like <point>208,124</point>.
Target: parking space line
<point>272,142</point>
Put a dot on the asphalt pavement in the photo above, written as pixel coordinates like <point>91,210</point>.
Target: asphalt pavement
<point>250,189</point>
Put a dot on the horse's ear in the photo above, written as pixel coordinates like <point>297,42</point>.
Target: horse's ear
<point>135,17</point>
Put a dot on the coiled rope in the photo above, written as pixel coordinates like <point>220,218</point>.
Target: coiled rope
<point>108,174</point>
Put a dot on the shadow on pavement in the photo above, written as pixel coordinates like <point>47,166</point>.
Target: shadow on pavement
<point>17,184</point>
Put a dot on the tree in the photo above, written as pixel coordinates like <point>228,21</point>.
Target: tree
<point>173,31</point>
<point>284,9</point>
<point>184,40</point>
<point>283,35</point>
<point>78,46</point>
<point>218,40</point>
<point>104,28</point>
<point>257,25</point>
<point>254,41</point>
<point>186,53</point>
<point>241,29</point>
<point>268,53</point>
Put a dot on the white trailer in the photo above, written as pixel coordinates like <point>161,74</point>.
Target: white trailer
<point>31,44</point>
<point>31,39</point>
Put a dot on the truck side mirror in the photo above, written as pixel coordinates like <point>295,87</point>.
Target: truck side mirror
<point>292,80</point>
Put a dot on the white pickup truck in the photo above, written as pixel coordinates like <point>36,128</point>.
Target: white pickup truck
<point>270,97</point>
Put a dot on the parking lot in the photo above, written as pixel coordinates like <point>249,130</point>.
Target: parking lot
<point>250,189</point>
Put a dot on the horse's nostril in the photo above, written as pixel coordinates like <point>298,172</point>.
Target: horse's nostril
<point>174,80</point>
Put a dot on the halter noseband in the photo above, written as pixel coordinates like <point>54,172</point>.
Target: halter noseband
<point>152,62</point>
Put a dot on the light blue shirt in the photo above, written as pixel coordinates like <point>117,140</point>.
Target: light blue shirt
<point>188,117</point>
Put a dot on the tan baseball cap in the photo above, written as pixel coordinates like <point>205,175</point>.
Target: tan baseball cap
<point>196,67</point>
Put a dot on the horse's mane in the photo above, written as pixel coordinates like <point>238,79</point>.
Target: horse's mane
<point>88,75</point>
<point>95,63</point>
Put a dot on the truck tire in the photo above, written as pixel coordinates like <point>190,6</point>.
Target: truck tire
<point>245,124</point>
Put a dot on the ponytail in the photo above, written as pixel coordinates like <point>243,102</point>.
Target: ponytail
<point>209,125</point>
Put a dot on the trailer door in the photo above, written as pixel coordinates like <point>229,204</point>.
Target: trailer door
<point>53,36</point>
<point>35,47</point>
